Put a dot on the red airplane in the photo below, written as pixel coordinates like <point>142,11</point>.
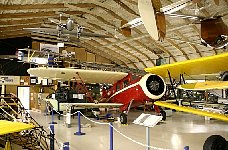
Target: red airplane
<point>128,89</point>
<point>133,91</point>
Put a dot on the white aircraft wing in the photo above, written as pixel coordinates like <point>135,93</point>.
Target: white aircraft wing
<point>43,30</point>
<point>88,76</point>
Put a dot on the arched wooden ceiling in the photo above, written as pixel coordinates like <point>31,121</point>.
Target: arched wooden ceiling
<point>104,16</point>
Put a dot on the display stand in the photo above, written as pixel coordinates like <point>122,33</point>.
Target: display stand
<point>149,121</point>
<point>79,126</point>
<point>52,117</point>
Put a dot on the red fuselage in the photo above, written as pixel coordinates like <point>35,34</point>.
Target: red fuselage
<point>135,88</point>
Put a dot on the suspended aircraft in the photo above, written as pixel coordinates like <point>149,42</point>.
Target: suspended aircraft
<point>65,30</point>
<point>214,32</point>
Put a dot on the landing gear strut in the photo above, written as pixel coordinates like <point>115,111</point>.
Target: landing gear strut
<point>160,112</point>
<point>163,114</point>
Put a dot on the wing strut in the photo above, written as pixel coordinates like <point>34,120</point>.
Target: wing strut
<point>171,81</point>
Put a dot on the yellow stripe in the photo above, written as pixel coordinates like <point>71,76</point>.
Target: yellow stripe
<point>7,127</point>
<point>192,111</point>
<point>203,65</point>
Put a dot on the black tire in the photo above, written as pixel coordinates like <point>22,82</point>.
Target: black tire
<point>123,118</point>
<point>163,113</point>
<point>215,142</point>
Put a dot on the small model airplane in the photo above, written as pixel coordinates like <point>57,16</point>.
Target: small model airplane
<point>214,32</point>
<point>65,30</point>
<point>131,90</point>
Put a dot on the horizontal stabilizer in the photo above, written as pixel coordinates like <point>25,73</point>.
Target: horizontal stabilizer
<point>193,111</point>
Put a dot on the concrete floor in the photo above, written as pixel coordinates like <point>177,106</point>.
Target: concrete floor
<point>175,133</point>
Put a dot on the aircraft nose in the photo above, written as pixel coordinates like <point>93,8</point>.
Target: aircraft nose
<point>155,85</point>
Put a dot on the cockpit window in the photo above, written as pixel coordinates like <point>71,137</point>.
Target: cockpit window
<point>117,87</point>
<point>134,77</point>
<point>126,83</point>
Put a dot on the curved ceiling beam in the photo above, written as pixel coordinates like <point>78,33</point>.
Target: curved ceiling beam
<point>100,18</point>
<point>121,49</point>
<point>140,53</point>
<point>102,6</point>
<point>119,56</point>
<point>114,53</point>
<point>163,49</point>
<point>178,47</point>
<point>125,51</point>
<point>97,51</point>
<point>100,28</point>
<point>31,6</point>
<point>124,6</point>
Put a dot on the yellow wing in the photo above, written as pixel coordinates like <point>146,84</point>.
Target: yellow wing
<point>7,127</point>
<point>207,85</point>
<point>204,65</point>
<point>193,111</point>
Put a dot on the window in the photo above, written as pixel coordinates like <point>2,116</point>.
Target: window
<point>118,87</point>
<point>134,77</point>
<point>126,83</point>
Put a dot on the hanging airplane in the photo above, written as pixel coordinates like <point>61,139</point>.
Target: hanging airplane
<point>66,30</point>
<point>214,32</point>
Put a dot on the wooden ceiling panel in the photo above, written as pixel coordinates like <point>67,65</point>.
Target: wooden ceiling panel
<point>104,17</point>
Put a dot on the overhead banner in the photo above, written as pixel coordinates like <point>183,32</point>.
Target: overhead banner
<point>10,80</point>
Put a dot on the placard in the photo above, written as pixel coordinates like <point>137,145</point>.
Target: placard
<point>147,120</point>
<point>10,80</point>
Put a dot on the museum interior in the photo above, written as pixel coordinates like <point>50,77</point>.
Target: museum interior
<point>114,74</point>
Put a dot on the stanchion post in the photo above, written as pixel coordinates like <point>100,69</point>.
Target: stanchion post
<point>79,125</point>
<point>52,117</point>
<point>66,146</point>
<point>111,135</point>
<point>148,138</point>
<point>52,137</point>
<point>46,109</point>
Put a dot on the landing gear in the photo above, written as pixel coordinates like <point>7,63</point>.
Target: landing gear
<point>123,118</point>
<point>163,114</point>
<point>215,142</point>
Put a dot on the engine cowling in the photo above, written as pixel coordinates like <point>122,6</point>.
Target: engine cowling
<point>153,86</point>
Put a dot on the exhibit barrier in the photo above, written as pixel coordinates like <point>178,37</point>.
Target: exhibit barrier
<point>61,146</point>
<point>111,132</point>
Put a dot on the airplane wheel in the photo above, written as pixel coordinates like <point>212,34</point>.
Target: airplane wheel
<point>123,118</point>
<point>163,113</point>
<point>215,142</point>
